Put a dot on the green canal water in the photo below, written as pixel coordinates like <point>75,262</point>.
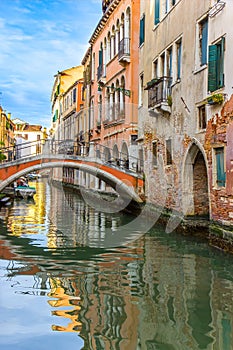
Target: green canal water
<point>60,288</point>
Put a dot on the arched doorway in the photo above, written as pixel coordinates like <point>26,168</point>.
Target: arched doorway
<point>107,154</point>
<point>195,183</point>
<point>115,154</point>
<point>125,155</point>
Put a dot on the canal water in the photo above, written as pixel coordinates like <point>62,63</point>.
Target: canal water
<point>61,289</point>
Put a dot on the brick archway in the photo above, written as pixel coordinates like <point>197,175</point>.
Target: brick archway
<point>195,183</point>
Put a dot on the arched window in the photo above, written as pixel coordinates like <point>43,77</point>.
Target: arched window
<point>107,110</point>
<point>92,115</point>
<point>122,97</point>
<point>93,67</point>
<point>117,100</point>
<point>117,36</point>
<point>100,107</point>
<point>112,102</point>
<point>109,47</point>
<point>113,41</point>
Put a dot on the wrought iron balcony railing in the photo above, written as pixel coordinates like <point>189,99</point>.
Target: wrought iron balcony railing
<point>101,72</point>
<point>124,50</point>
<point>159,91</point>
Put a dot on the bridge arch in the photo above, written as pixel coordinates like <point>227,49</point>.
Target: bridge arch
<point>122,182</point>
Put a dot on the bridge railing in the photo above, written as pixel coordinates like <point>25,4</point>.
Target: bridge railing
<point>21,150</point>
<point>65,148</point>
<point>123,160</point>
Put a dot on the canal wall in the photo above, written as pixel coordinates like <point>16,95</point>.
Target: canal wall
<point>215,234</point>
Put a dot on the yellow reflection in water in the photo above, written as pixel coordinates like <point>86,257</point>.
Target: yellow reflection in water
<point>28,216</point>
<point>62,290</point>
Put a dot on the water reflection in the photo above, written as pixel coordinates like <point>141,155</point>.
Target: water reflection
<point>158,292</point>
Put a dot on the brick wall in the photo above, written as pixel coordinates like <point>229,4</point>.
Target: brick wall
<point>219,132</point>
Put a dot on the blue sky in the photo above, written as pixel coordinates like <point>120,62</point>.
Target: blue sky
<point>38,38</point>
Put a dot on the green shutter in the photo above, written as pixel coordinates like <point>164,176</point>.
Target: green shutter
<point>221,175</point>
<point>157,10</point>
<point>221,47</point>
<point>101,57</point>
<point>204,42</point>
<point>212,68</point>
<point>142,30</point>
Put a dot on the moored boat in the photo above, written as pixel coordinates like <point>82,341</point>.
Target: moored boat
<point>25,191</point>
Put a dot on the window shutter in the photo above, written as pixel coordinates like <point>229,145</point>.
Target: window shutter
<point>212,68</point>
<point>170,64</point>
<point>221,63</point>
<point>204,42</point>
<point>142,30</point>
<point>101,57</point>
<point>179,49</point>
<point>221,175</point>
<point>157,10</point>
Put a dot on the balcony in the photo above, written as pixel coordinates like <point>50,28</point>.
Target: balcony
<point>101,73</point>
<point>124,51</point>
<point>159,94</point>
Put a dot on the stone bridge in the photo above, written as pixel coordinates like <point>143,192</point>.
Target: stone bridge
<point>124,181</point>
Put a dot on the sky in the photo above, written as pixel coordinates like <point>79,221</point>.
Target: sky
<point>39,38</point>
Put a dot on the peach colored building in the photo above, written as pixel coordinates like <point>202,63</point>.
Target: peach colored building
<point>113,112</point>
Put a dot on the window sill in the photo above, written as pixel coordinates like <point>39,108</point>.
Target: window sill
<point>155,27</point>
<point>176,82</point>
<point>219,188</point>
<point>201,131</point>
<point>200,69</point>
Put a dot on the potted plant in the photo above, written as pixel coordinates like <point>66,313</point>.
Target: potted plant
<point>217,98</point>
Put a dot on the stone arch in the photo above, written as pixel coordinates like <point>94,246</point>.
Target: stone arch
<point>195,194</point>
<point>107,154</point>
<point>127,22</point>
<point>125,155</point>
<point>115,152</point>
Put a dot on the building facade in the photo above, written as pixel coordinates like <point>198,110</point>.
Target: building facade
<point>7,140</point>
<point>66,99</point>
<point>185,89</point>
<point>114,92</point>
<point>29,138</point>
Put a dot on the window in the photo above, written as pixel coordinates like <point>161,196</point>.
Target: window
<point>93,67</point>
<point>157,11</point>
<point>169,62</point>
<point>203,41</point>
<point>178,54</point>
<point>202,117</point>
<point>155,69</point>
<point>141,82</point>
<point>142,31</point>
<point>220,168</point>
<point>155,153</point>
<point>162,64</point>
<point>168,152</point>
<point>216,66</point>
<point>74,95</point>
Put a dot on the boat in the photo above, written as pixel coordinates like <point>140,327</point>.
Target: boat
<point>5,200</point>
<point>25,191</point>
